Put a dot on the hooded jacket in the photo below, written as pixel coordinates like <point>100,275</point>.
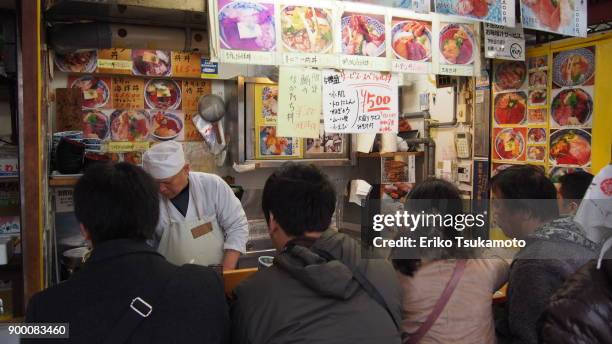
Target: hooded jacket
<point>552,254</point>
<point>307,298</point>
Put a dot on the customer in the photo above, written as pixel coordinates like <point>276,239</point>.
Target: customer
<point>571,189</point>
<point>315,292</point>
<point>117,207</point>
<point>525,208</point>
<point>581,310</point>
<point>466,315</point>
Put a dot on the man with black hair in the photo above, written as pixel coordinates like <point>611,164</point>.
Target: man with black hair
<point>319,289</point>
<point>525,207</point>
<point>571,190</point>
<point>126,292</point>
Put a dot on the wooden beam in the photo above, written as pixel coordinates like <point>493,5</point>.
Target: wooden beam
<point>31,151</point>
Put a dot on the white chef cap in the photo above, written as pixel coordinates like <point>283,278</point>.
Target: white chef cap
<point>164,160</point>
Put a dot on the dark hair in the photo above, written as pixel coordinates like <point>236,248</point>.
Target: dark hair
<point>524,185</point>
<point>301,198</point>
<point>434,195</point>
<point>117,201</point>
<point>574,185</point>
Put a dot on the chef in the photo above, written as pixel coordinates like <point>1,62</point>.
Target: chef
<point>200,219</point>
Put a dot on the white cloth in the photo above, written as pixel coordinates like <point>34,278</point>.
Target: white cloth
<point>595,212</point>
<point>216,199</point>
<point>164,160</point>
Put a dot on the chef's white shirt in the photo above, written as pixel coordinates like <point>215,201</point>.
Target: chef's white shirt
<point>216,198</point>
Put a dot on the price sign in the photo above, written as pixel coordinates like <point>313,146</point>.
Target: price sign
<point>360,102</point>
<point>186,64</point>
<point>128,93</point>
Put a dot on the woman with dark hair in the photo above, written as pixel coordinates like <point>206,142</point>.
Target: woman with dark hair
<point>447,292</point>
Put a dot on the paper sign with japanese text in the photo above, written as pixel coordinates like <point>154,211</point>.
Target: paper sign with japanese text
<point>120,147</point>
<point>186,64</point>
<point>128,93</point>
<point>299,102</point>
<point>360,102</point>
<point>115,61</point>
<point>192,90</point>
<point>504,43</point>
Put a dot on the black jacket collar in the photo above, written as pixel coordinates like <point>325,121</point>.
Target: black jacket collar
<point>119,247</point>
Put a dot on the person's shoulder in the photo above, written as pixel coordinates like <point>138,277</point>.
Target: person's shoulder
<point>196,275</point>
<point>208,177</point>
<point>258,285</point>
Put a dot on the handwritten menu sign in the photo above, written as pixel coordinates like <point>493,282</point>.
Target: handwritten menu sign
<point>115,61</point>
<point>299,103</point>
<point>186,64</point>
<point>192,90</point>
<point>360,102</point>
<point>128,93</point>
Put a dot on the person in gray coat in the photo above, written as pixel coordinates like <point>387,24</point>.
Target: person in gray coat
<point>319,289</point>
<point>525,208</point>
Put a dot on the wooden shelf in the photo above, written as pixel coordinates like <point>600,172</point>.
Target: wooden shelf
<point>316,162</point>
<point>387,155</point>
<point>69,180</point>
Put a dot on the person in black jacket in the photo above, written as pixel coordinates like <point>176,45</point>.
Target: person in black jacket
<point>126,292</point>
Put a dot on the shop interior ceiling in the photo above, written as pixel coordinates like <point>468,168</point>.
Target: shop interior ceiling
<point>163,24</point>
<point>599,19</point>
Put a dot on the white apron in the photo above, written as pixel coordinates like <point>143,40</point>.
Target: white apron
<point>199,241</point>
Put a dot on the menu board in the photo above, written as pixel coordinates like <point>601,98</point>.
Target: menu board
<point>363,38</point>
<point>510,125</point>
<point>246,31</point>
<point>81,61</point>
<point>411,43</point>
<point>299,102</point>
<point>307,33</point>
<point>186,64</point>
<point>128,93</point>
<point>133,109</point>
<point>360,102</point>
<point>151,62</point>
<point>96,91</point>
<point>571,108</point>
<point>191,91</point>
<point>564,17</point>
<point>499,12</point>
<point>268,144</point>
<point>109,61</point>
<point>457,47</point>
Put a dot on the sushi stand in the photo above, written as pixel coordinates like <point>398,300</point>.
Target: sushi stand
<point>378,94</point>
